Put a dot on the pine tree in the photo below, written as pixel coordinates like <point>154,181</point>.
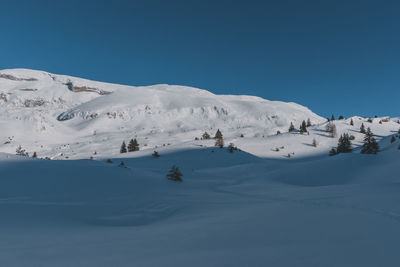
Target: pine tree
<point>393,139</point>
<point>231,148</point>
<point>314,143</point>
<point>351,122</point>
<point>21,152</point>
<point>133,145</point>
<point>344,144</point>
<point>155,154</point>
<point>341,117</point>
<point>332,118</point>
<point>219,139</point>
<point>362,128</point>
<point>331,129</point>
<point>303,127</point>
<point>308,122</point>
<point>206,136</point>
<point>218,134</point>
<point>291,127</point>
<point>123,148</point>
<point>175,174</point>
<point>370,145</point>
<point>332,152</point>
<point>34,155</point>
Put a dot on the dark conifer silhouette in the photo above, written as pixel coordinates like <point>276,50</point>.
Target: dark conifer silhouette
<point>219,139</point>
<point>370,145</point>
<point>344,144</point>
<point>133,145</point>
<point>175,174</point>
<point>123,148</point>
<point>206,136</point>
<point>291,127</point>
<point>303,127</point>
<point>362,128</point>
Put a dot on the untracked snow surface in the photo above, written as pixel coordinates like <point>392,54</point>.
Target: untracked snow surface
<point>253,207</point>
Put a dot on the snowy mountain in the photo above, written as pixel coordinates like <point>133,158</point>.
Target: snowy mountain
<point>279,200</point>
<point>41,111</point>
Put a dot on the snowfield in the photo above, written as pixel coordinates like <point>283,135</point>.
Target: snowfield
<point>253,207</point>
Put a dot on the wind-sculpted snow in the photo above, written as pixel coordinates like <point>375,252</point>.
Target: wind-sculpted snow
<point>232,209</point>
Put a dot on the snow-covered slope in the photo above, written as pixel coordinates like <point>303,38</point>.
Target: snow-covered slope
<point>41,111</point>
<point>232,209</point>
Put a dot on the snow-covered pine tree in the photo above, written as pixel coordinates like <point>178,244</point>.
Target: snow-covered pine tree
<point>308,122</point>
<point>123,148</point>
<point>351,122</point>
<point>370,145</point>
<point>175,174</point>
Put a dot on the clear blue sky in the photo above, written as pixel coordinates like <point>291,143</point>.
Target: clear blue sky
<point>340,57</point>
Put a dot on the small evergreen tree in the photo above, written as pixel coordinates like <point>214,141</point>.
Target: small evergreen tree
<point>34,155</point>
<point>219,139</point>
<point>155,154</point>
<point>341,117</point>
<point>344,144</point>
<point>351,122</point>
<point>314,143</point>
<point>393,139</point>
<point>21,152</point>
<point>122,164</point>
<point>331,129</point>
<point>123,148</point>
<point>303,127</point>
<point>370,145</point>
<point>133,145</point>
<point>332,118</point>
<point>362,128</point>
<point>206,136</point>
<point>278,132</point>
<point>231,148</point>
<point>175,174</point>
<point>332,152</point>
<point>308,122</point>
<point>291,127</point>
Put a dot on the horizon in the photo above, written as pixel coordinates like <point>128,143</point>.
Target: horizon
<point>334,58</point>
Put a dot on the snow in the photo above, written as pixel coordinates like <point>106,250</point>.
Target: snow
<point>252,207</point>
